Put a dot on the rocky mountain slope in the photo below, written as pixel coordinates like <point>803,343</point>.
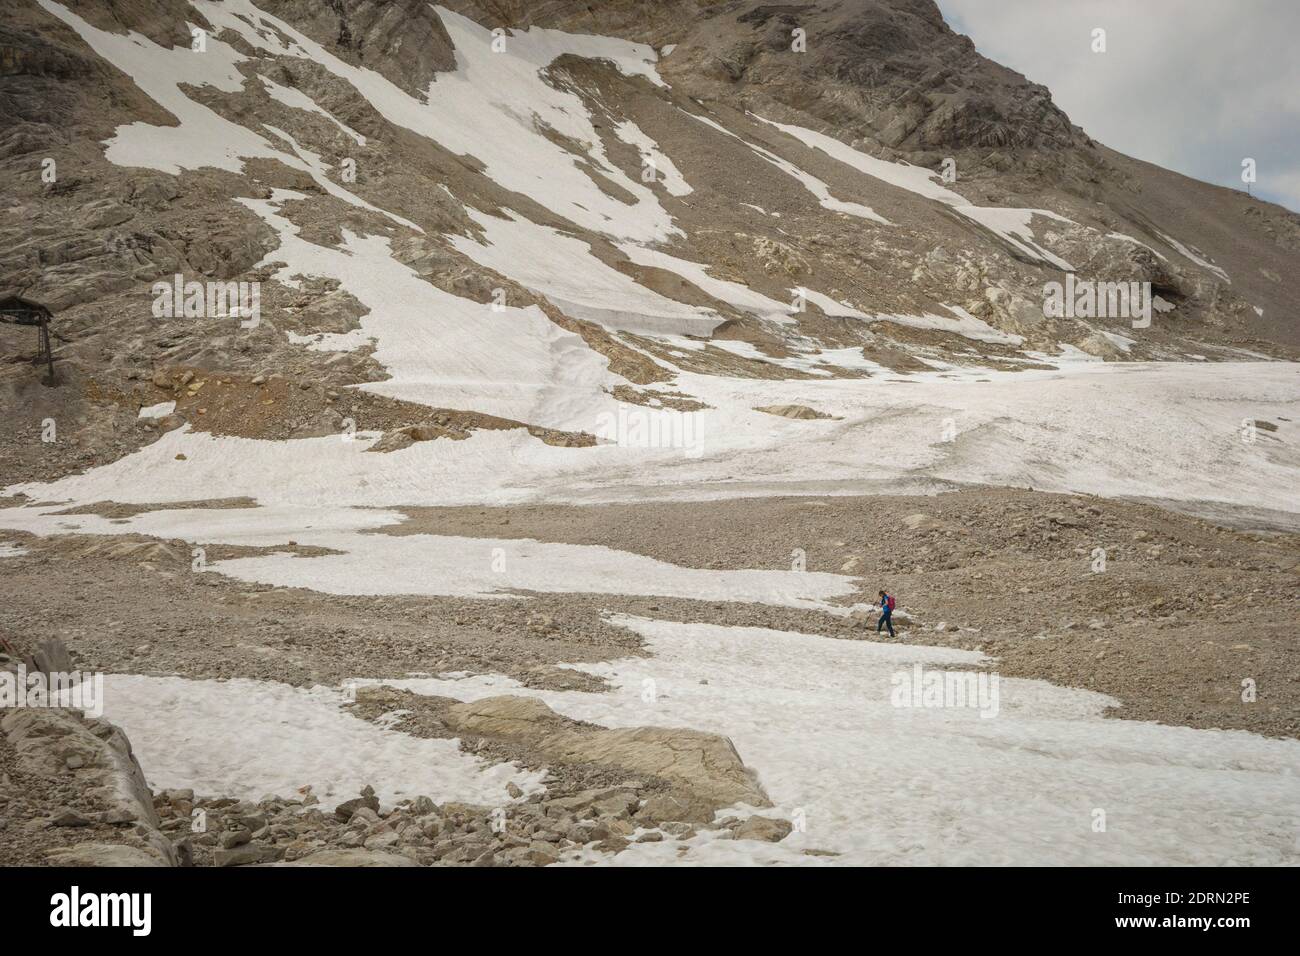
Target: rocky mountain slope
<point>476,402</point>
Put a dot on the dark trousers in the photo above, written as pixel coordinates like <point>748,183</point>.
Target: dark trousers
<point>886,620</point>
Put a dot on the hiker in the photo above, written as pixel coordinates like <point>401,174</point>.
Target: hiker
<point>886,613</point>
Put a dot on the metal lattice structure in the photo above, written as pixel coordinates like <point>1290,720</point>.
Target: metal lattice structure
<point>25,312</point>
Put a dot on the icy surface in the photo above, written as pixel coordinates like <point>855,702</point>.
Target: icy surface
<point>248,738</point>
<point>439,564</point>
<point>575,281</point>
<point>883,784</point>
<point>441,349</point>
<point>1105,428</point>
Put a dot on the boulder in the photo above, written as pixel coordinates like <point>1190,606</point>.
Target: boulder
<point>347,808</point>
<point>104,854</point>
<point>662,808</point>
<point>46,737</point>
<point>702,764</point>
<point>245,855</point>
<point>766,829</point>
<point>792,411</point>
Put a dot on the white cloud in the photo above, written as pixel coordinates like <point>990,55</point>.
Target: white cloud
<point>1195,87</point>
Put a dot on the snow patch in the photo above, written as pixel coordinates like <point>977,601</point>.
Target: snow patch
<point>881,784</point>
<point>161,410</point>
<point>673,180</point>
<point>248,738</point>
<point>1136,242</point>
<point>581,286</point>
<point>1121,342</point>
<point>297,99</point>
<point>810,182</point>
<point>440,349</point>
<point>733,293</point>
<point>1188,253</point>
<point>443,565</point>
<point>965,325</point>
<point>1013,225</point>
<point>202,137</point>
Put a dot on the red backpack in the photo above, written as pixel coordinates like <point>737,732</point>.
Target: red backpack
<point>889,601</point>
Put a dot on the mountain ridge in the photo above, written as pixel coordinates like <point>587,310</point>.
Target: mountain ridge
<point>670,212</point>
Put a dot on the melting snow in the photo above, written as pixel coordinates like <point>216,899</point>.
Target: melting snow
<point>575,281</point>
<point>1199,260</point>
<point>161,410</point>
<point>1143,429</point>
<point>249,738</point>
<point>965,325</point>
<point>440,349</point>
<point>299,100</point>
<point>426,564</point>
<point>732,293</point>
<point>202,137</point>
<point>810,182</point>
<point>1013,225</point>
<point>673,180</point>
<point>497,107</point>
<point>882,784</point>
<point>1121,342</point>
<point>1021,778</point>
<point>1136,242</point>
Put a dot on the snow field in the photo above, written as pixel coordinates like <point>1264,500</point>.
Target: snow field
<point>863,772</point>
<point>442,565</point>
<point>248,738</point>
<point>1160,430</point>
<point>885,784</point>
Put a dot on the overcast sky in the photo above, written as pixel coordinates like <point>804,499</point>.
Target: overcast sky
<point>1192,85</point>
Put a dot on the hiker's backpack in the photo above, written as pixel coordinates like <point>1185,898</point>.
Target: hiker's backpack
<point>889,601</point>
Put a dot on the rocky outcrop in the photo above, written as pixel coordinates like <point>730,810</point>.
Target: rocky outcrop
<point>704,765</point>
<point>802,412</point>
<point>404,40</point>
<point>102,854</point>
<point>886,77</point>
<point>59,743</point>
<point>767,829</point>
